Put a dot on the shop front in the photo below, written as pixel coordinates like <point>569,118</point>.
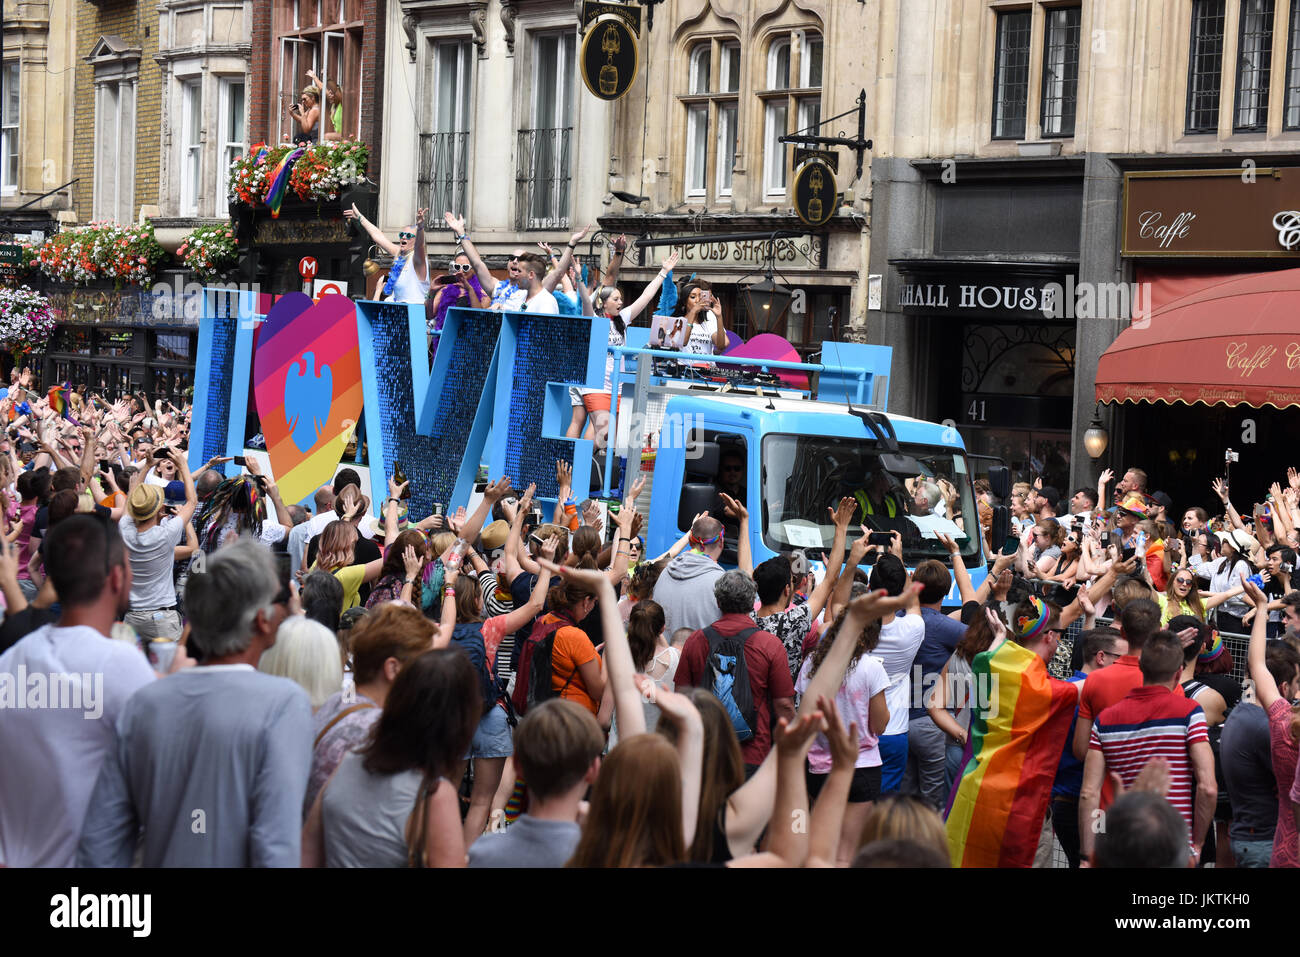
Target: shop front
<point>770,274</point>
<point>1215,365</point>
<point>1002,342</point>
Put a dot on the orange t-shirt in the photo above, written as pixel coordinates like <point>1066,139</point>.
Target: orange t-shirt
<point>572,650</point>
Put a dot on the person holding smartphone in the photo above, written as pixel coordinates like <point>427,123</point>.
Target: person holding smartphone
<point>698,306</point>
<point>151,538</point>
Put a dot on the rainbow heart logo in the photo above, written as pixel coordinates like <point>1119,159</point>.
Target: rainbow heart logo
<point>307,388</point>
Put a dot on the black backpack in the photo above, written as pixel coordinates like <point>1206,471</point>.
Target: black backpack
<point>533,676</point>
<point>728,679</point>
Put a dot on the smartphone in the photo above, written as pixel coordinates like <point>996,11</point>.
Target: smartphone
<point>162,452</point>
<point>1011,544</point>
<point>103,465</point>
<point>883,539</point>
<point>240,460</point>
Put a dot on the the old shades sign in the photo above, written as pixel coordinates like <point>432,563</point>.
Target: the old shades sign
<point>1219,213</point>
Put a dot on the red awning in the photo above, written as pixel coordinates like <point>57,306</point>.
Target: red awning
<point>1235,341</point>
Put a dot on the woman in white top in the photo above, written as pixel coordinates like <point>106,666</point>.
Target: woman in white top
<point>707,334</point>
<point>609,303</point>
<point>408,280</point>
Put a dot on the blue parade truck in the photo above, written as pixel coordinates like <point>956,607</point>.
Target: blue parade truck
<point>803,441</point>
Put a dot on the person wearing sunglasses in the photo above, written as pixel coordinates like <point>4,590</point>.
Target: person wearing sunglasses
<point>459,287</point>
<point>508,295</point>
<point>408,279</point>
<point>1182,597</point>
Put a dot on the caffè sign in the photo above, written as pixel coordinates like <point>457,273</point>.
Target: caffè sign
<point>1219,213</point>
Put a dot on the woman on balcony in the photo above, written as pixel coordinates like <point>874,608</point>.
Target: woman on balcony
<point>306,114</point>
<point>333,106</point>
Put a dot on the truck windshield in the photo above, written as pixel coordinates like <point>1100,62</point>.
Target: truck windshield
<point>906,491</point>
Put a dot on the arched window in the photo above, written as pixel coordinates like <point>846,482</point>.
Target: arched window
<point>792,89</point>
<point>712,108</point>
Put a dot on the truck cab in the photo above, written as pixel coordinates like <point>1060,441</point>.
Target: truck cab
<point>798,455</point>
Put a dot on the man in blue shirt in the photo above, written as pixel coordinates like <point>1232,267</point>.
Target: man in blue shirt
<point>926,742</point>
<point>1101,647</point>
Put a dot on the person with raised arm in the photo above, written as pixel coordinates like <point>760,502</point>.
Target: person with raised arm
<point>408,279</point>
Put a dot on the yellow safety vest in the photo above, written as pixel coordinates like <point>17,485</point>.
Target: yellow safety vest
<point>865,503</point>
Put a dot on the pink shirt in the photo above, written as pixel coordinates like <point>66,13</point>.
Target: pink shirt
<point>1285,853</point>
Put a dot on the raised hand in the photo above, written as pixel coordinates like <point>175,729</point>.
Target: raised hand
<point>563,474</point>
<point>498,490</point>
<point>1220,489</point>
<point>998,626</point>
<point>732,507</point>
<point>455,223</point>
<point>1107,475</point>
<point>794,738</point>
<point>670,261</point>
<point>579,236</point>
<point>591,515</point>
<point>947,543</point>
<point>637,487</point>
<point>549,547</point>
<point>412,561</point>
<point>843,514</point>
<point>396,489</point>
<point>843,741</point>
<point>1293,478</point>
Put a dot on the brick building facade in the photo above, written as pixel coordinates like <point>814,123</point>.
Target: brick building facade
<point>117,115</point>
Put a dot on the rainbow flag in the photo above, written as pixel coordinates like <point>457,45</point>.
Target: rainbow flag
<point>1017,731</point>
<point>278,181</point>
<point>58,399</point>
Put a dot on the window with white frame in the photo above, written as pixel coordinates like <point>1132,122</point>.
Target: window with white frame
<point>9,128</point>
<point>543,163</point>
<point>114,195</point>
<point>324,36</point>
<point>444,152</point>
<point>793,80</point>
<point>712,104</point>
<point>230,103</point>
<point>191,122</point>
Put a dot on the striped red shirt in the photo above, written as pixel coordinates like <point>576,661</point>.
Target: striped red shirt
<point>1153,722</point>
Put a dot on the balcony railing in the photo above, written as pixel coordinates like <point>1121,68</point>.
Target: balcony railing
<point>444,172</point>
<point>542,183</point>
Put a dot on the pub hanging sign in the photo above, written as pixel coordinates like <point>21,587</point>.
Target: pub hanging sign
<point>610,55</point>
<point>815,197</point>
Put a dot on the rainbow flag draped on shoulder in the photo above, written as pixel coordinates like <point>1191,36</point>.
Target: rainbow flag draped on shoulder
<point>1017,731</point>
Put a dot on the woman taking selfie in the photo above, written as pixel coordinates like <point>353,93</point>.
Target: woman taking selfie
<point>698,306</point>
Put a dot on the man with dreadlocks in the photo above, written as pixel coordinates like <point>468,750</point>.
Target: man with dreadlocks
<point>238,507</point>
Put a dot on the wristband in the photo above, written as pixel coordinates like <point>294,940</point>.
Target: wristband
<point>408,581</point>
<point>571,245</point>
<point>462,238</point>
<point>449,592</point>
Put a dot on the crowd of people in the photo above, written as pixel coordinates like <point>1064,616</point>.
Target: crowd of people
<point>359,686</point>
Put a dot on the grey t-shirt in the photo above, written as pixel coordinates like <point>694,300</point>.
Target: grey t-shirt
<point>1246,759</point>
<point>364,815</point>
<point>152,555</point>
<point>528,842</point>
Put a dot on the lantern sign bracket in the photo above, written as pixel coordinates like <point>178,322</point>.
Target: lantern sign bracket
<point>859,145</point>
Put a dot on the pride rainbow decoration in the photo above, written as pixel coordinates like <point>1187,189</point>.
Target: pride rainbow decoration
<point>278,181</point>
<point>58,399</point>
<point>307,388</point>
<point>997,807</point>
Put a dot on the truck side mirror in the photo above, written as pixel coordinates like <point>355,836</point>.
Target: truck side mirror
<point>1001,528</point>
<point>1000,482</point>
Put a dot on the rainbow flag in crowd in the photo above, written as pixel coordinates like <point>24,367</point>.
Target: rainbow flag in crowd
<point>278,181</point>
<point>58,399</point>
<point>1017,731</point>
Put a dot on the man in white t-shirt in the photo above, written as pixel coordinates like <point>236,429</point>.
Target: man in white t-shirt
<point>408,280</point>
<point>900,638</point>
<point>53,747</point>
<point>151,538</point>
<point>533,271</point>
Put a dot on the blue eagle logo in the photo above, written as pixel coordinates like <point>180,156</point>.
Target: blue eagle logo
<point>307,398</point>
